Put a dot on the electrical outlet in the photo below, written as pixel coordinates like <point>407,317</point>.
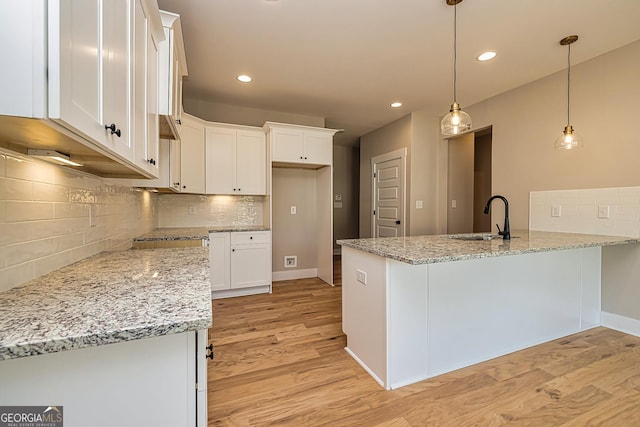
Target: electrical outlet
<point>192,209</point>
<point>361,276</point>
<point>92,216</point>
<point>556,210</point>
<point>419,204</point>
<point>290,261</point>
<point>454,204</point>
<point>294,210</point>
<point>603,211</point>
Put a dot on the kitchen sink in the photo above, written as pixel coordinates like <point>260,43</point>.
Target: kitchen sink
<point>474,236</point>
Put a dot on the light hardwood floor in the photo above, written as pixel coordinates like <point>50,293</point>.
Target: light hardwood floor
<point>280,360</point>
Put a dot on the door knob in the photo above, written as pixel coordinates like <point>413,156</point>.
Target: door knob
<point>397,221</point>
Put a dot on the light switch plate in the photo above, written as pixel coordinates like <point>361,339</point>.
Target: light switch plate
<point>361,276</point>
<point>556,210</point>
<point>294,210</point>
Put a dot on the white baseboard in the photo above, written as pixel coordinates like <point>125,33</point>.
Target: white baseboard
<point>294,274</point>
<point>366,368</point>
<point>620,323</point>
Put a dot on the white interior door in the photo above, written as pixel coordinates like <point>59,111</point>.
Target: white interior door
<point>389,194</point>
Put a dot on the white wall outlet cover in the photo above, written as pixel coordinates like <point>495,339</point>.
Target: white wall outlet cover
<point>556,210</point>
<point>603,211</point>
<point>191,209</point>
<point>294,210</point>
<point>419,204</point>
<point>454,204</point>
<point>361,276</point>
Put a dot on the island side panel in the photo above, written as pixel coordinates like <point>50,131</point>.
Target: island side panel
<point>407,339</point>
<point>364,311</point>
<point>620,288</point>
<point>483,308</point>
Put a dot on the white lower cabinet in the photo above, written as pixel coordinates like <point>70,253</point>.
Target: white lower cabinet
<point>158,381</point>
<point>240,263</point>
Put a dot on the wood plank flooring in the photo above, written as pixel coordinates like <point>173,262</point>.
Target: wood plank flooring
<point>280,360</point>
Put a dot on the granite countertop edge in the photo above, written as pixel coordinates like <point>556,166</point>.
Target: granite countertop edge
<point>450,250</point>
<point>107,298</point>
<point>198,233</point>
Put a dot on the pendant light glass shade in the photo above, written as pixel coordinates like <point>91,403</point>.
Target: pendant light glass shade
<point>569,138</point>
<point>457,121</point>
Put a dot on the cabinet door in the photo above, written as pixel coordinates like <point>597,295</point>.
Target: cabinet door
<point>221,158</point>
<point>174,164</point>
<point>116,57</point>
<point>318,148</point>
<point>139,87</point>
<point>153,125</point>
<point>250,162</point>
<point>219,261</point>
<point>75,67</point>
<point>192,157</point>
<point>287,145</point>
<point>250,265</point>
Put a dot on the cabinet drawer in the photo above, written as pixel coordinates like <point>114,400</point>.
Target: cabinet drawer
<point>250,237</point>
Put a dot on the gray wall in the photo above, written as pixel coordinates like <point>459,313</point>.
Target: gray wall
<point>346,166</point>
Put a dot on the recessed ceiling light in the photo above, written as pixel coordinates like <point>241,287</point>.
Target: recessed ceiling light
<point>396,104</point>
<point>486,56</point>
<point>244,78</point>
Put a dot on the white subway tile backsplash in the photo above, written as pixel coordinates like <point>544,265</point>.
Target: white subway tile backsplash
<point>13,276</point>
<point>50,263</point>
<point>28,211</point>
<point>174,210</point>
<point>15,189</point>
<point>29,169</point>
<point>580,209</point>
<point>50,193</point>
<point>23,252</point>
<point>44,217</point>
<point>71,210</point>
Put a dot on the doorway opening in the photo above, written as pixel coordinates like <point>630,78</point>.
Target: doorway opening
<point>469,182</point>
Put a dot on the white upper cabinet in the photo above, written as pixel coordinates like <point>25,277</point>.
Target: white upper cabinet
<point>303,145</point>
<point>236,160</point>
<point>145,91</point>
<point>84,60</point>
<point>173,67</point>
<point>192,155</point>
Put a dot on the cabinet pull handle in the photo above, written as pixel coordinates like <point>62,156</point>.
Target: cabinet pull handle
<point>112,128</point>
<point>209,352</point>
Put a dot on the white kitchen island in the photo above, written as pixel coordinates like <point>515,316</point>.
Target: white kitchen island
<point>417,307</point>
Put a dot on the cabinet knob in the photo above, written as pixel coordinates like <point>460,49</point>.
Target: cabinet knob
<point>179,121</point>
<point>233,250</point>
<point>176,184</point>
<point>251,237</point>
<point>113,129</point>
<point>184,186</point>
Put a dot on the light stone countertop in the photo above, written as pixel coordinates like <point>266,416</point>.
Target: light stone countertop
<point>107,298</point>
<point>442,248</point>
<point>194,233</point>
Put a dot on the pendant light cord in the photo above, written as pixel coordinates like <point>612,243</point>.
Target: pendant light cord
<point>568,84</point>
<point>455,44</point>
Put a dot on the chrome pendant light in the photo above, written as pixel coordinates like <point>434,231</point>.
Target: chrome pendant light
<point>457,121</point>
<point>569,138</point>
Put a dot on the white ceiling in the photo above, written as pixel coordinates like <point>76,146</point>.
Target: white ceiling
<point>347,60</point>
